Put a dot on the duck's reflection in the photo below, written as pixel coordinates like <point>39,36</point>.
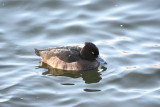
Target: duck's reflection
<point>90,76</point>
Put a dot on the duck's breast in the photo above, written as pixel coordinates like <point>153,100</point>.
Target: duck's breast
<point>55,62</point>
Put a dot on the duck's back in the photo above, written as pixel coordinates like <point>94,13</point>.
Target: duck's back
<point>66,54</point>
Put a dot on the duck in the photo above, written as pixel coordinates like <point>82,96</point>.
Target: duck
<point>74,58</point>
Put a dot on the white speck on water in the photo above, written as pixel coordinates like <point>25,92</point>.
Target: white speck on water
<point>121,25</point>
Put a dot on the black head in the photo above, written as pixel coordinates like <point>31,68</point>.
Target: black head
<point>89,51</point>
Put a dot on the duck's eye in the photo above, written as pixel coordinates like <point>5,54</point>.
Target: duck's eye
<point>93,53</point>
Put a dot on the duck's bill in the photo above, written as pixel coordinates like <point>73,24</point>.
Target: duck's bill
<point>102,61</point>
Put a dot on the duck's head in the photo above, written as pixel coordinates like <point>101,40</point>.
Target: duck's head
<point>89,51</point>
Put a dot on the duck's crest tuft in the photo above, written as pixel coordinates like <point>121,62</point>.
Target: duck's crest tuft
<point>36,52</point>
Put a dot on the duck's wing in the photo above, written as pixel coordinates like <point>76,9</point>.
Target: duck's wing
<point>66,54</point>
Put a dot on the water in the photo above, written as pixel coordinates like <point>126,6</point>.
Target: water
<point>126,32</point>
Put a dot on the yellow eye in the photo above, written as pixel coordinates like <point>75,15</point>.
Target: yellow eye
<point>93,53</point>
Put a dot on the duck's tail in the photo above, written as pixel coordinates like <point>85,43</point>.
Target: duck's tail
<point>37,52</point>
